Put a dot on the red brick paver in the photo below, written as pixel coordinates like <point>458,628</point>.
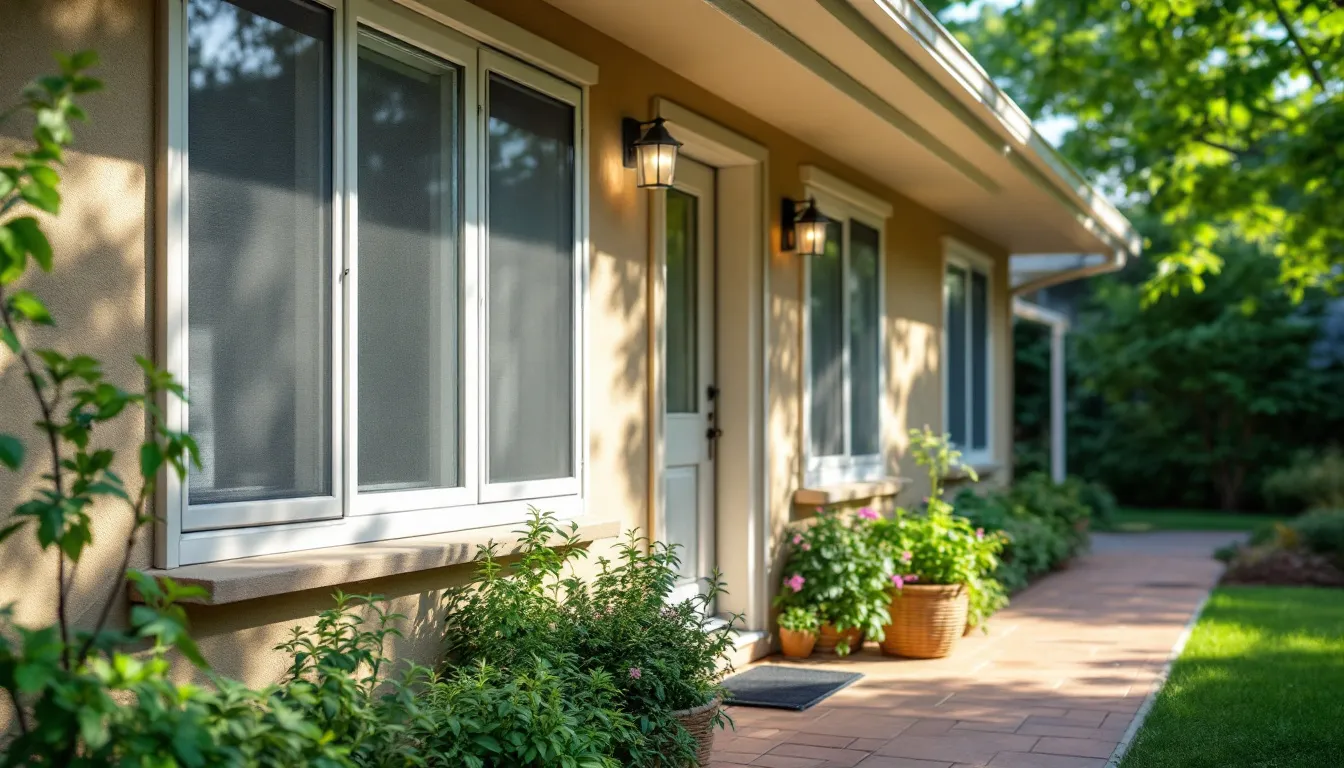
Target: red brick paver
<point>1054,684</point>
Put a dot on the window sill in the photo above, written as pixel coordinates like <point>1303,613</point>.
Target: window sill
<point>839,493</point>
<point>249,578</point>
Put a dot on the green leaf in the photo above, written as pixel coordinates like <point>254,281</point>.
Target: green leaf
<point>151,458</point>
<point>30,236</point>
<point>11,451</point>
<point>6,184</point>
<point>29,307</point>
<point>41,196</point>
<point>84,60</point>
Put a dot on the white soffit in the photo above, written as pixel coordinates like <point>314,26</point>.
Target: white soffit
<point>874,97</point>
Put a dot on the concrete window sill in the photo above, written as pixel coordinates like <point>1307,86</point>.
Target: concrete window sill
<point>249,578</point>
<point>840,493</point>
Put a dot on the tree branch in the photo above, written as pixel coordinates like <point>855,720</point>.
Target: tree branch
<point>19,716</point>
<point>1238,151</point>
<point>120,582</point>
<point>1312,66</point>
<point>48,426</point>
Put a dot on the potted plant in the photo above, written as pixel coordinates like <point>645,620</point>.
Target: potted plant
<point>939,560</point>
<point>798,631</point>
<point>836,569</point>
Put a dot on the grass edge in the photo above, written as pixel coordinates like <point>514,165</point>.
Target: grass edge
<point>1132,732</point>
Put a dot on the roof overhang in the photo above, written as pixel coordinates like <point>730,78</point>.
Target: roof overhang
<point>881,86</point>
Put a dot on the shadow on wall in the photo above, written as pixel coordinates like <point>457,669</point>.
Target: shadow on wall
<point>98,292</point>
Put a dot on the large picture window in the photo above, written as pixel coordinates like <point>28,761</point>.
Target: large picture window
<point>966,346</point>
<point>373,278</point>
<point>845,368</point>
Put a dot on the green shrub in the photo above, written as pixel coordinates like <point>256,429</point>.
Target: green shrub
<point>1321,532</point>
<point>620,628</point>
<point>836,568</point>
<point>1311,481</point>
<point>336,681</point>
<point>663,656</point>
<point>536,716</point>
<point>1044,523</point>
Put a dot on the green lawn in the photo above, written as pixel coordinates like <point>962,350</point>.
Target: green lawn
<point>1261,683</point>
<point>1139,520</point>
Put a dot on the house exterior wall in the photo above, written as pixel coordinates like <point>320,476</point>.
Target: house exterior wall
<point>102,296</point>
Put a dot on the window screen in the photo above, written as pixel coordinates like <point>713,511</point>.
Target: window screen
<point>259,223</point>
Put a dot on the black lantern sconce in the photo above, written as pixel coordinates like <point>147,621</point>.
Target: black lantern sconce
<point>802,227</point>
<point>651,151</point>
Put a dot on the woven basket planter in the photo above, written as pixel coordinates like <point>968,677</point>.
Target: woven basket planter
<point>828,638</point>
<point>926,620</point>
<point>797,644</point>
<point>699,721</point>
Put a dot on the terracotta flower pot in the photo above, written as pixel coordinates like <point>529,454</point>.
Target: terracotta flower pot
<point>926,620</point>
<point>828,638</point>
<point>699,721</point>
<point>797,643</point>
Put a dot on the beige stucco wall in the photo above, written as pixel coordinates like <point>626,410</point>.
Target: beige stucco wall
<point>104,238</point>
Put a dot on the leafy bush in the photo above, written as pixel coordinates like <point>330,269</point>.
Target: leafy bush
<point>837,569</point>
<point>664,656</point>
<point>620,631</point>
<point>336,681</point>
<point>536,716</point>
<point>1314,480</point>
<point>1043,523</point>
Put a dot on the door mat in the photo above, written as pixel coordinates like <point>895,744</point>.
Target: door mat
<point>781,687</point>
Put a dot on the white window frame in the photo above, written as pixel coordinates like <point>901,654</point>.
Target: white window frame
<point>959,254</point>
<point>466,36</point>
<point>844,202</point>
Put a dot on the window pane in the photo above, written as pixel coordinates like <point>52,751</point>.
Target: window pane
<point>259,218</point>
<point>682,347</point>
<point>826,346</point>
<point>409,362</point>
<point>979,361</point>
<point>956,354</point>
<point>531,284</point>
<point>865,347</point>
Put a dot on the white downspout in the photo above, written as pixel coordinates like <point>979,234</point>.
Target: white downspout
<point>1059,327</point>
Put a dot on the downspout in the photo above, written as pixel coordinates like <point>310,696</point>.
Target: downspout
<point>1059,326</point>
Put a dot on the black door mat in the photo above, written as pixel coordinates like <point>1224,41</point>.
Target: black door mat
<point>781,687</point>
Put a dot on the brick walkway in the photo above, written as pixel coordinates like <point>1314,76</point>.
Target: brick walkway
<point>1053,685</point>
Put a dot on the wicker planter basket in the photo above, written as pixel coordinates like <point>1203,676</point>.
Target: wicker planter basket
<point>828,638</point>
<point>797,644</point>
<point>699,721</point>
<point>926,620</point>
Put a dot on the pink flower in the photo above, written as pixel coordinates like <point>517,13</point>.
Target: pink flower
<point>795,582</point>
<point>911,579</point>
<point>897,580</point>
<point>980,534</point>
<point>868,513</point>
<point>807,545</point>
<point>635,673</point>
<point>797,538</point>
<point>907,556</point>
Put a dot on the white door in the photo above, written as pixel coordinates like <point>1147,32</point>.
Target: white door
<point>688,518</point>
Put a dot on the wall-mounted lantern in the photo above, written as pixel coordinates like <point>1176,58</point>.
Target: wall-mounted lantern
<point>651,150</point>
<point>802,227</point>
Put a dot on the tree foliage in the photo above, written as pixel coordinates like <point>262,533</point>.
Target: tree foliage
<point>1193,398</point>
<point>1225,118</point>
